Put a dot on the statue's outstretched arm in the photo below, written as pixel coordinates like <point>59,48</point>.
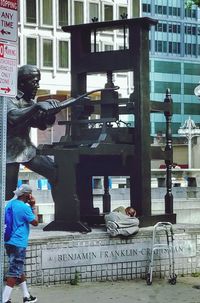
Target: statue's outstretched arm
<point>25,115</point>
<point>21,115</point>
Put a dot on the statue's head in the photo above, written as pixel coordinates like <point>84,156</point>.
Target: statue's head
<point>28,81</point>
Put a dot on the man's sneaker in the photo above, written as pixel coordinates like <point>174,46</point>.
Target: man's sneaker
<point>30,299</point>
<point>112,228</point>
<point>9,301</point>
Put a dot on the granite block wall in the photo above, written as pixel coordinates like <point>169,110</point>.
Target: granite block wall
<point>61,257</point>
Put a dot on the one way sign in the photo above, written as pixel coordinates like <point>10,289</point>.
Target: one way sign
<point>8,20</point>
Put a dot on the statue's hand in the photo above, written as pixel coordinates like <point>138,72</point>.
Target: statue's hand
<point>42,120</point>
<point>48,105</point>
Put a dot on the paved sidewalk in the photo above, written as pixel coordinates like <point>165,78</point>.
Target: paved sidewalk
<point>118,292</point>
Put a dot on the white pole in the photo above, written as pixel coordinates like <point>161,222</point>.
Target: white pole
<point>189,152</point>
<point>3,136</point>
<point>189,142</point>
<point>189,130</point>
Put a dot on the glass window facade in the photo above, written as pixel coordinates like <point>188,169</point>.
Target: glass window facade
<point>108,12</point>
<point>47,17</point>
<point>161,86</point>
<point>189,88</point>
<point>31,51</point>
<point>93,11</point>
<point>192,69</point>
<point>31,11</point>
<point>63,12</point>
<point>122,11</point>
<point>78,12</point>
<point>176,108</point>
<point>63,59</point>
<point>167,67</point>
<point>47,53</point>
<point>174,59</point>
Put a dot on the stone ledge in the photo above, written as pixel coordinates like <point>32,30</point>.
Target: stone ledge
<point>58,257</point>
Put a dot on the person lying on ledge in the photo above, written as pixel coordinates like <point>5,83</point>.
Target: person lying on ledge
<point>122,221</point>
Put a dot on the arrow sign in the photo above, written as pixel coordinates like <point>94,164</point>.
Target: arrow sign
<point>6,89</point>
<point>3,32</point>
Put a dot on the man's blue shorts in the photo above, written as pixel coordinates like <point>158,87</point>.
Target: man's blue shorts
<point>16,256</point>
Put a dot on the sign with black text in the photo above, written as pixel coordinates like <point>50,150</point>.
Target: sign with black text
<point>8,47</point>
<point>8,20</point>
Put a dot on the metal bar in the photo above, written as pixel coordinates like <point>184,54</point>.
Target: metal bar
<point>3,130</point>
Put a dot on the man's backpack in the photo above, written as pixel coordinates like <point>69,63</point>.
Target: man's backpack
<point>8,223</point>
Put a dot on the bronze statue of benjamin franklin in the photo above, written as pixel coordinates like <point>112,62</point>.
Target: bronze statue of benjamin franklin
<point>22,114</point>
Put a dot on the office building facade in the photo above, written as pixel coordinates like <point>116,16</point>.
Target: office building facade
<point>175,54</point>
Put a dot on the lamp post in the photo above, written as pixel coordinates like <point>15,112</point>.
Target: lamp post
<point>189,130</point>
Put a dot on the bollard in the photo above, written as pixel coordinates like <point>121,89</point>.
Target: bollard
<point>192,184</point>
<point>161,182</point>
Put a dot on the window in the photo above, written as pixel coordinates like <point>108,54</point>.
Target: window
<point>122,11</point>
<point>47,53</point>
<point>174,28</point>
<point>174,47</point>
<point>93,11</point>
<point>121,47</point>
<point>63,50</point>
<point>191,109</point>
<point>191,30</point>
<point>160,46</point>
<point>160,87</point>
<point>167,67</point>
<point>31,51</point>
<point>146,8</point>
<point>108,12</point>
<point>63,12</point>
<point>190,49</point>
<point>31,11</point>
<point>78,12</point>
<point>189,88</point>
<point>174,11</point>
<point>161,27</point>
<point>161,10</point>
<point>191,13</point>
<point>176,108</point>
<point>47,17</point>
<point>191,69</point>
<point>108,47</point>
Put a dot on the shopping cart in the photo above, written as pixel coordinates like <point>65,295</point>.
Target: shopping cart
<point>160,229</point>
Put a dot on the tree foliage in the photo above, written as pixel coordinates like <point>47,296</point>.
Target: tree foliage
<point>189,3</point>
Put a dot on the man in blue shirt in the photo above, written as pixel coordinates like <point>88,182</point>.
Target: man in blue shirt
<point>24,213</point>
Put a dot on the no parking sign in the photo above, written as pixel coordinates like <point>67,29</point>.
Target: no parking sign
<point>8,69</point>
<point>8,47</point>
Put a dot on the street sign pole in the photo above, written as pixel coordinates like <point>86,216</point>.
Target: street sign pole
<point>3,135</point>
<point>8,88</point>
